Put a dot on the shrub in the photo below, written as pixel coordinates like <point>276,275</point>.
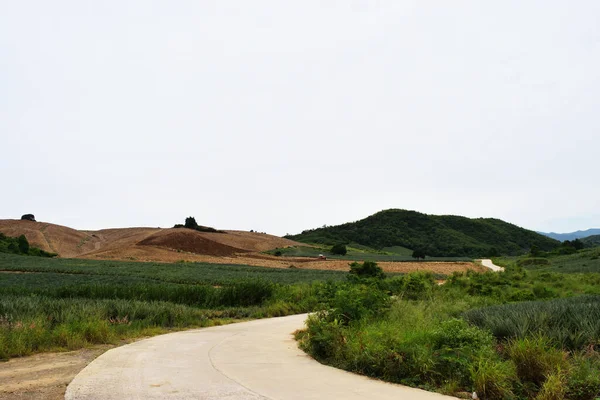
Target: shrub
<point>535,358</point>
<point>28,217</point>
<point>456,346</point>
<point>324,338</point>
<point>355,302</point>
<point>418,285</point>
<point>339,249</point>
<point>493,379</point>
<point>368,269</point>
<point>23,244</point>
<point>419,253</point>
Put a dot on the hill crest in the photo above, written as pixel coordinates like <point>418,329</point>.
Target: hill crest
<point>572,235</point>
<point>156,244</point>
<point>438,235</point>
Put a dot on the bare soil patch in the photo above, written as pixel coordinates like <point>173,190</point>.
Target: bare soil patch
<point>128,243</point>
<point>44,376</point>
<point>190,241</point>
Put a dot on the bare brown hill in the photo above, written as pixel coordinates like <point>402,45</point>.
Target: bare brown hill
<point>144,244</point>
<point>191,241</point>
<point>180,244</point>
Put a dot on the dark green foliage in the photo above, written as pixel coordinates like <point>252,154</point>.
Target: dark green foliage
<point>443,236</point>
<point>23,244</point>
<point>339,249</point>
<point>591,241</point>
<point>28,217</point>
<point>368,269</point>
<point>419,253</point>
<point>190,223</point>
<point>20,246</point>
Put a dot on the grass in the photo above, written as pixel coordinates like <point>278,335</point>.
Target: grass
<point>359,252</point>
<point>583,261</point>
<point>477,333</point>
<point>54,304</point>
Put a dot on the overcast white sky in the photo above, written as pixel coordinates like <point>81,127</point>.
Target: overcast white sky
<point>281,116</point>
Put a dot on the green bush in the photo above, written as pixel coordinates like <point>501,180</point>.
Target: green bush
<point>368,269</point>
<point>339,249</point>
<point>355,302</point>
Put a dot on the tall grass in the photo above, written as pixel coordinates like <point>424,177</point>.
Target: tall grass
<point>458,337</point>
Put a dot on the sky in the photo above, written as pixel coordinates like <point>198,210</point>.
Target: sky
<point>281,116</point>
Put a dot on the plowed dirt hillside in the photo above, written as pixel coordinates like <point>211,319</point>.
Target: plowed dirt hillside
<point>144,244</point>
<point>180,244</point>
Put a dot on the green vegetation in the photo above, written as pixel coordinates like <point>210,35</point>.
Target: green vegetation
<point>439,236</point>
<point>190,223</point>
<point>53,304</point>
<point>518,334</point>
<point>570,261</point>
<point>186,273</point>
<point>591,241</point>
<point>339,249</point>
<point>21,246</point>
<point>357,252</point>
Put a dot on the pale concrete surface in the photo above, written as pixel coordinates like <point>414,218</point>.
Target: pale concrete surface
<point>489,264</point>
<point>250,360</point>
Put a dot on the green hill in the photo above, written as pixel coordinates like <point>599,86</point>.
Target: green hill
<point>591,241</point>
<point>438,235</point>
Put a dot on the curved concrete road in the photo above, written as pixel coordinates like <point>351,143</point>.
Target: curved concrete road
<point>244,361</point>
<point>489,264</point>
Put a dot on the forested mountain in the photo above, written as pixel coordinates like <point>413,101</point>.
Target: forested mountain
<point>438,235</point>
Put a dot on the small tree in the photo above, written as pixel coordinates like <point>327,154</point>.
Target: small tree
<point>339,249</point>
<point>577,244</point>
<point>23,244</point>
<point>419,253</point>
<point>534,251</point>
<point>368,269</point>
<point>190,222</point>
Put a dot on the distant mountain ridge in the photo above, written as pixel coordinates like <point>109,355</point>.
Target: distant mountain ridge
<point>438,235</point>
<point>572,235</point>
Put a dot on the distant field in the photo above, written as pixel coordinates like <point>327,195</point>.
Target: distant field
<point>190,273</point>
<point>587,260</point>
<point>359,253</point>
